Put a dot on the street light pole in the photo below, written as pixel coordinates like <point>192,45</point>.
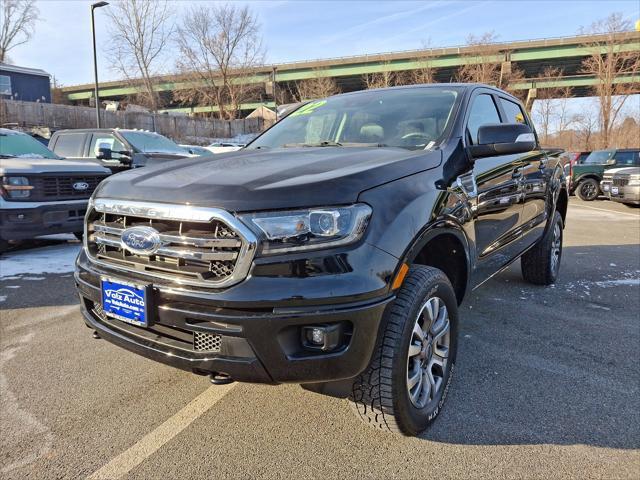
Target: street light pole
<point>95,58</point>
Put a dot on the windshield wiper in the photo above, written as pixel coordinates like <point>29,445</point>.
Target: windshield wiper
<point>326,143</point>
<point>5,155</point>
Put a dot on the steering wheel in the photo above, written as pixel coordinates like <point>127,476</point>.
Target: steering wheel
<point>415,134</point>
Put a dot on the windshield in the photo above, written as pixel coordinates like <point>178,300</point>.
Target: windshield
<point>148,142</point>
<point>22,145</point>
<point>412,118</point>
<point>598,158</point>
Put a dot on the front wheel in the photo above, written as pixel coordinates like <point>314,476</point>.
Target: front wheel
<point>588,189</point>
<point>405,385</point>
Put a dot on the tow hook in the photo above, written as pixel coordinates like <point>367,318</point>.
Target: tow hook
<point>220,378</point>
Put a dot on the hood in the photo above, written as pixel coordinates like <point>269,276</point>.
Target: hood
<point>622,171</point>
<point>28,166</point>
<point>252,180</point>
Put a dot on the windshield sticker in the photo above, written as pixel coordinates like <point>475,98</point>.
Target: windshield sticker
<point>308,108</point>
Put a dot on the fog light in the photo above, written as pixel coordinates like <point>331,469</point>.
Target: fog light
<point>322,337</point>
<point>316,335</point>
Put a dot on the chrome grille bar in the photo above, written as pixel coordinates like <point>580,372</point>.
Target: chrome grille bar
<point>207,248</point>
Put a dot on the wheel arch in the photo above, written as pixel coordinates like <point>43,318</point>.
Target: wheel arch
<point>445,246</point>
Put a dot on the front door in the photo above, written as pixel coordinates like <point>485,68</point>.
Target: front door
<point>536,175</point>
<point>498,207</point>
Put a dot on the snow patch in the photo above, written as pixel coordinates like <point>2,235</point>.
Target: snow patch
<point>36,261</point>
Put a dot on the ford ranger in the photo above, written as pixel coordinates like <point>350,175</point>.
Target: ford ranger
<point>333,251</point>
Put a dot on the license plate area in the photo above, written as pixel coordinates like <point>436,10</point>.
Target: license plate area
<point>126,302</point>
<point>614,190</point>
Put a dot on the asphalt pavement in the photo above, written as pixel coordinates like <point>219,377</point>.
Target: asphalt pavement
<point>547,385</point>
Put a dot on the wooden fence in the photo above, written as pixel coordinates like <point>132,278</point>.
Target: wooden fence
<point>179,128</point>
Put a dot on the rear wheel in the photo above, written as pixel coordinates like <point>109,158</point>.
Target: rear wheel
<point>541,264</point>
<point>405,385</point>
<point>588,189</point>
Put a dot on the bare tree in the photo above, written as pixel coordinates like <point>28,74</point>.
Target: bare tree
<point>425,73</point>
<point>587,124</point>
<point>319,86</point>
<point>486,62</point>
<point>18,19</point>
<point>608,61</point>
<point>550,109</point>
<point>385,78</point>
<point>220,46</point>
<point>140,30</point>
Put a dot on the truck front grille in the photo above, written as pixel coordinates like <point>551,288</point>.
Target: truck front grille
<point>200,253</point>
<point>62,187</point>
<point>620,182</point>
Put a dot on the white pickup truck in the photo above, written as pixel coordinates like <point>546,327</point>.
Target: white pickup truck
<point>41,193</point>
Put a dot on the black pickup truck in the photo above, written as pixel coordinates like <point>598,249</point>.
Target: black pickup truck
<point>333,251</point>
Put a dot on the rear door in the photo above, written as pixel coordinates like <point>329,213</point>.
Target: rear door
<point>498,207</point>
<point>70,145</point>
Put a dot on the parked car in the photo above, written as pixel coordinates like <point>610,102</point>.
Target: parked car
<point>586,177</point>
<point>224,147</point>
<point>41,193</point>
<point>570,159</point>
<point>197,151</point>
<point>622,185</point>
<point>333,251</point>
<point>116,149</point>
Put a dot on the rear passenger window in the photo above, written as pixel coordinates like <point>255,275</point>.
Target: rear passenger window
<point>69,144</point>
<point>513,111</point>
<point>483,112</point>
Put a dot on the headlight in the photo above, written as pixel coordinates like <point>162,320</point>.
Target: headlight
<point>298,230</point>
<point>634,182</point>
<point>16,187</point>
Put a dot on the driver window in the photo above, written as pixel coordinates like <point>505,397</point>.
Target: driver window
<point>106,141</point>
<point>483,112</point>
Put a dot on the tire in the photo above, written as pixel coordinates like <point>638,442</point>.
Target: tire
<point>381,396</point>
<point>588,189</point>
<point>541,264</point>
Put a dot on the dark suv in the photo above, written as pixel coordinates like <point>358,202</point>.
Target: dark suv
<point>116,149</point>
<point>585,178</point>
<point>333,251</point>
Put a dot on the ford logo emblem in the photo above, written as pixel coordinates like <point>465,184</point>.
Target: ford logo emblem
<point>141,240</point>
<point>80,186</point>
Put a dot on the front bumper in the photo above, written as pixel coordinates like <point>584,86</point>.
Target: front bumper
<point>626,194</point>
<point>23,221</point>
<point>259,320</point>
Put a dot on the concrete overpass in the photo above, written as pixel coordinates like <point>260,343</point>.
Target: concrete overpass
<point>532,57</point>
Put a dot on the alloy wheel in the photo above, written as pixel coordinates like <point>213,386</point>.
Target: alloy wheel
<point>428,352</point>
<point>556,248</point>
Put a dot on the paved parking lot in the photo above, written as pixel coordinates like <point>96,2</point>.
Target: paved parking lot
<point>547,386</point>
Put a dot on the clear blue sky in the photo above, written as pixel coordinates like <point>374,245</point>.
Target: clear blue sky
<point>301,30</point>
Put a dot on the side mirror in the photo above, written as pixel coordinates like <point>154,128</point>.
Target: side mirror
<point>104,153</point>
<point>503,139</point>
<point>611,161</point>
